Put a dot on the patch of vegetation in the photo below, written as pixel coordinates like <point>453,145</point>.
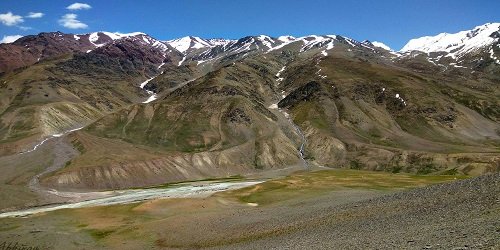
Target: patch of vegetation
<point>67,163</point>
<point>99,234</point>
<point>427,169</point>
<point>177,131</point>
<point>374,132</point>
<point>8,227</point>
<point>309,156</point>
<point>452,171</point>
<point>483,107</point>
<point>314,183</point>
<point>211,179</point>
<point>396,169</point>
<point>343,115</point>
<point>312,112</point>
<point>355,164</point>
<point>20,127</point>
<point>260,197</point>
<point>78,146</point>
<point>420,127</point>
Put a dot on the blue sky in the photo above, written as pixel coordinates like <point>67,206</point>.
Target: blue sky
<point>393,22</point>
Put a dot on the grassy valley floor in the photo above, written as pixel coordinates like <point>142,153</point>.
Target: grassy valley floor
<point>323,209</point>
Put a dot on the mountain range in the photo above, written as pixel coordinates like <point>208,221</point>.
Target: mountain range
<point>139,111</point>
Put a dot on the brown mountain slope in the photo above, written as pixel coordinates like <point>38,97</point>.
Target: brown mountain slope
<point>59,94</point>
<point>354,112</point>
<point>331,100</point>
<point>213,126</point>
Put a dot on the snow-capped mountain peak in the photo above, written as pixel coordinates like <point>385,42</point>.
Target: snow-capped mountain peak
<point>102,37</point>
<point>286,39</point>
<point>381,45</point>
<point>457,44</point>
<point>311,41</point>
<point>153,42</point>
<point>117,35</point>
<point>266,41</point>
<point>189,42</point>
<point>219,41</point>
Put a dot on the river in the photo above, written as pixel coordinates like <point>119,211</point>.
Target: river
<point>196,190</point>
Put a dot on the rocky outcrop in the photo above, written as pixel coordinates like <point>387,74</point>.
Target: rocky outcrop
<point>303,93</point>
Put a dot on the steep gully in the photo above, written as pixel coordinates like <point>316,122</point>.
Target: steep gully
<point>297,129</point>
<point>302,145</point>
<point>152,95</point>
<point>301,150</point>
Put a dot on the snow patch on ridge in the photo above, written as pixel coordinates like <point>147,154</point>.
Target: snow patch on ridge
<point>311,41</point>
<point>457,44</point>
<point>278,75</point>
<point>286,39</point>
<point>492,55</point>
<point>94,37</point>
<point>143,84</point>
<point>116,35</point>
<point>267,41</point>
<point>182,61</point>
<point>152,95</point>
<point>381,45</point>
<point>49,138</point>
<point>400,98</point>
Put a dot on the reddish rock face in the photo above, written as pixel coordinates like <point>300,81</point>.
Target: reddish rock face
<point>132,48</point>
<point>30,49</point>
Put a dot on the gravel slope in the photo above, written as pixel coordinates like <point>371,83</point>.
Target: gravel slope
<point>460,215</point>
